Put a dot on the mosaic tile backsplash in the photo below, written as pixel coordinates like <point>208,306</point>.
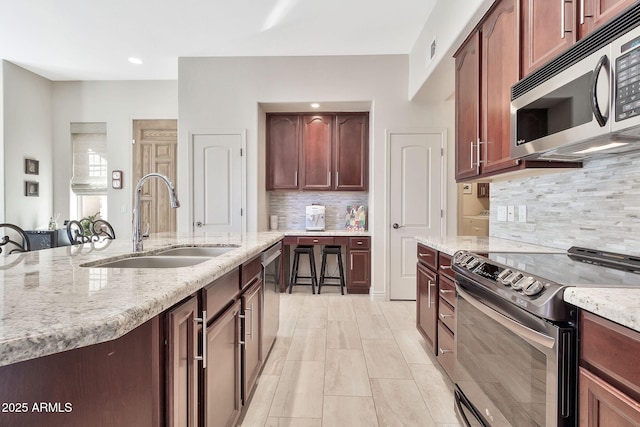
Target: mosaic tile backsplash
<point>290,207</point>
<point>597,206</point>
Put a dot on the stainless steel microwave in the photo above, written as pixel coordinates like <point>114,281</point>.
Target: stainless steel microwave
<point>590,107</point>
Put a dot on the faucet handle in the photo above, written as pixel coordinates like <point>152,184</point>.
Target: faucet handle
<point>145,235</point>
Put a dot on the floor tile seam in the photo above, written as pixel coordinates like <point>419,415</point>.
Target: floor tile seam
<point>422,396</point>
<point>273,396</point>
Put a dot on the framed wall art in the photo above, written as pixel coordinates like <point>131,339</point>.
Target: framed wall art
<point>31,167</point>
<point>31,188</point>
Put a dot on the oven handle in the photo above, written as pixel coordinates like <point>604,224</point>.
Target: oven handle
<point>515,327</point>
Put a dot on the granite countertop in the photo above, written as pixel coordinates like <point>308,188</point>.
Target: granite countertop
<point>49,303</point>
<point>451,244</point>
<point>620,305</point>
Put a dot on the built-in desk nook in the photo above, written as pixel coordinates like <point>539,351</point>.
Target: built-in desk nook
<point>356,247</point>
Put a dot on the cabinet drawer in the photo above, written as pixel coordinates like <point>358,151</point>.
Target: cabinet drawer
<point>428,257</point>
<point>613,350</point>
<point>445,356</point>
<point>217,295</point>
<point>316,240</point>
<point>447,290</point>
<point>249,271</point>
<point>600,404</point>
<point>444,265</point>
<point>446,314</point>
<point>359,242</point>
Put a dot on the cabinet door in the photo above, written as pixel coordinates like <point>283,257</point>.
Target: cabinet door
<point>283,134</point>
<point>601,404</point>
<point>221,380</point>
<point>251,337</point>
<point>358,278</point>
<point>468,108</point>
<point>317,142</point>
<point>500,70</point>
<point>351,164</point>
<point>182,369</point>
<point>426,305</point>
<point>548,28</point>
<point>598,12</point>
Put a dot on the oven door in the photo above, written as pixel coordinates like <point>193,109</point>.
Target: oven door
<point>512,368</point>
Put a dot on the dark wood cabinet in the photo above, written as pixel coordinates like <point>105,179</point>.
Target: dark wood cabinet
<point>598,12</point>
<point>548,28</point>
<point>182,366</point>
<point>500,71</point>
<point>487,65</point>
<point>609,377</point>
<point>351,152</point>
<point>427,305</point>
<point>283,136</point>
<point>359,268</point>
<point>326,151</point>
<point>222,377</point>
<point>252,356</point>
<point>467,65</point>
<point>317,145</point>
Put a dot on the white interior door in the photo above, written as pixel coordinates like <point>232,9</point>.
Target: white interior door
<point>415,203</point>
<point>218,182</point>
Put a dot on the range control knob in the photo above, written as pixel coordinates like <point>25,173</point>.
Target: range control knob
<point>502,277</point>
<point>473,262</point>
<point>523,283</point>
<point>513,278</point>
<point>534,288</point>
<point>458,257</point>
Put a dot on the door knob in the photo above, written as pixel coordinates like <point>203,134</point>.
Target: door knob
<point>395,225</point>
<point>199,224</point>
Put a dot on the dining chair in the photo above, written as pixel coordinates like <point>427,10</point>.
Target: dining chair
<point>86,231</point>
<point>14,239</point>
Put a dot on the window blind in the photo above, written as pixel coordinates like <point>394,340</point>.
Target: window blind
<point>89,145</point>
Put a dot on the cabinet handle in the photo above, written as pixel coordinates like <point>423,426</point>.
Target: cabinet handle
<point>446,291</point>
<point>424,254</point>
<point>443,351</point>
<point>563,13</point>
<point>445,267</point>
<point>351,263</point>
<point>444,316</point>
<point>359,242</point>
<point>315,240</point>
<point>581,12</point>
<point>202,320</point>
<point>471,155</point>
<point>329,178</point>
<point>241,316</point>
<point>296,184</point>
<point>337,178</point>
<point>250,309</point>
<point>429,302</point>
<point>478,153</point>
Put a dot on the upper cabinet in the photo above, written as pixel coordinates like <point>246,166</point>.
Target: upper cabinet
<point>318,152</point>
<point>598,12</point>
<point>551,27</point>
<point>283,135</point>
<point>548,28</point>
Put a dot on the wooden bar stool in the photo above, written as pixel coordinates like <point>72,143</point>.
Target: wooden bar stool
<point>331,250</point>
<point>304,250</point>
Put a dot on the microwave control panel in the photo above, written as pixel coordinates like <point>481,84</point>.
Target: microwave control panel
<point>628,81</point>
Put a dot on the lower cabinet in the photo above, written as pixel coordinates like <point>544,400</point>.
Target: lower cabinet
<point>359,271</point>
<point>251,337</point>
<point>609,373</point>
<point>222,375</point>
<point>426,301</point>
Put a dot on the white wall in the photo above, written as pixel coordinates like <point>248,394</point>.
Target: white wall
<point>117,103</point>
<point>225,93</point>
<point>449,23</point>
<point>27,126</point>
<point>2,180</point>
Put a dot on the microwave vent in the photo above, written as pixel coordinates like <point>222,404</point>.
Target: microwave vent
<point>614,144</point>
<point>624,22</point>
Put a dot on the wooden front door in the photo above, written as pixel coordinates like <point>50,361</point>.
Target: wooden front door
<point>155,149</point>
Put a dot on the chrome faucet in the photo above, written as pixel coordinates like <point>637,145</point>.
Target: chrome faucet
<point>138,236</point>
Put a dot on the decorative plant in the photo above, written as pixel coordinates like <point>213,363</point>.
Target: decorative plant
<point>87,223</point>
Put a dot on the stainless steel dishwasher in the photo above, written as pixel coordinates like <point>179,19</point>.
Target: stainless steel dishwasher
<point>271,267</point>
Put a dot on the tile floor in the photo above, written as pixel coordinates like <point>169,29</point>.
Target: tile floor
<point>349,361</point>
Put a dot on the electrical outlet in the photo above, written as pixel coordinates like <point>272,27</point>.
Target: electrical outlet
<point>511,213</point>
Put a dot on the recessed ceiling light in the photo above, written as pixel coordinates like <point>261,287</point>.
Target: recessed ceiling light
<point>134,60</point>
<point>315,105</point>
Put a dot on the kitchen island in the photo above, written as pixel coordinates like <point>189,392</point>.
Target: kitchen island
<point>83,345</point>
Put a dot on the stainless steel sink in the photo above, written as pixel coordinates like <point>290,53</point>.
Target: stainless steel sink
<point>189,251</point>
<point>156,261</point>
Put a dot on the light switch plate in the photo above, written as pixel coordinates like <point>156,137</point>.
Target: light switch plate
<point>522,213</point>
<point>511,213</point>
<point>502,213</point>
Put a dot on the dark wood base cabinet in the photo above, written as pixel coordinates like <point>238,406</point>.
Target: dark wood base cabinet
<point>116,383</point>
<point>609,377</point>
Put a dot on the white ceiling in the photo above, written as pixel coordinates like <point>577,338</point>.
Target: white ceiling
<point>92,39</point>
